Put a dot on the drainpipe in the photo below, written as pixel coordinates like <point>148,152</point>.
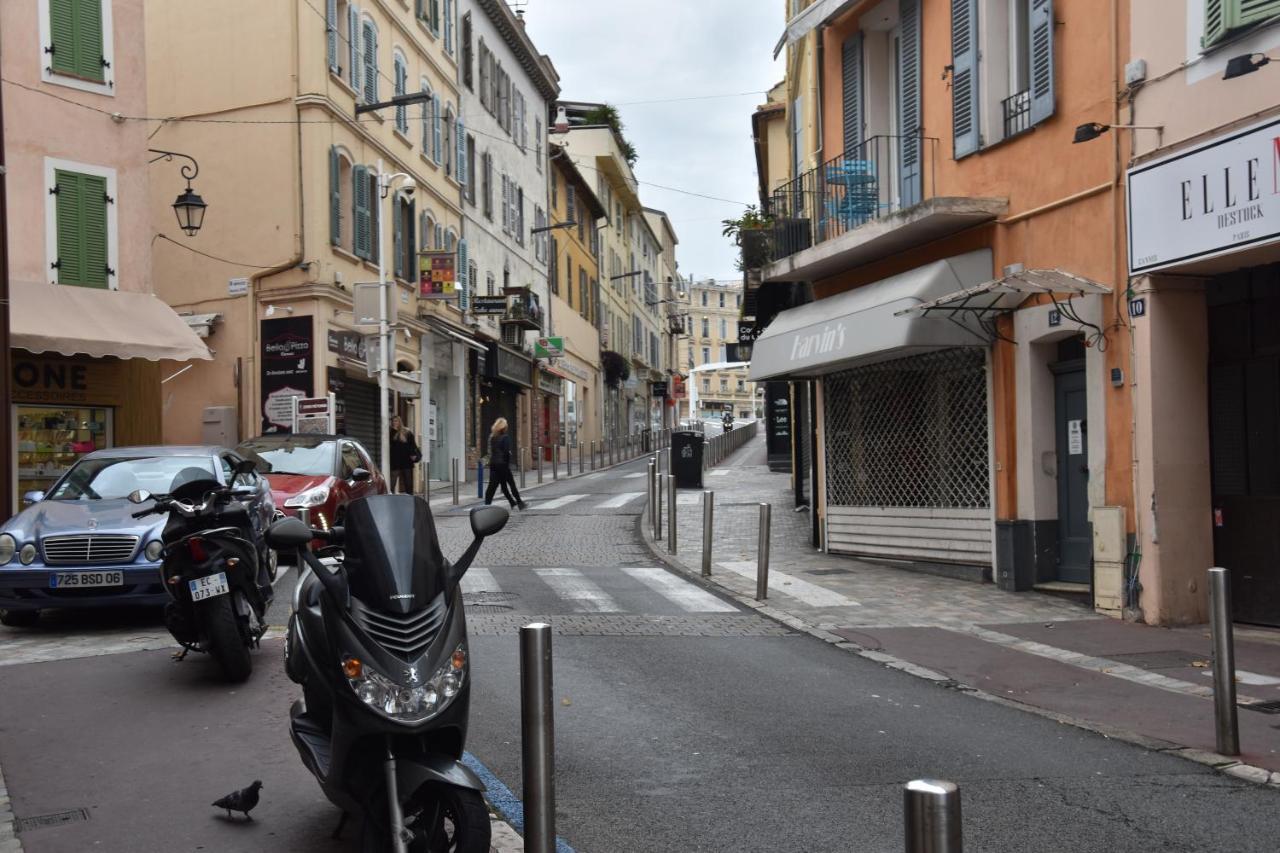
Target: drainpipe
<point>819,118</point>
<point>8,458</point>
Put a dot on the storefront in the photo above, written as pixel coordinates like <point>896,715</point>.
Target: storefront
<point>506,376</point>
<point>548,400</point>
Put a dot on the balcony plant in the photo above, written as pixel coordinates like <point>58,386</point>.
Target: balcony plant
<point>750,233</point>
<point>616,369</point>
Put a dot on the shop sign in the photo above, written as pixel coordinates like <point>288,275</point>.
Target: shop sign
<point>502,363</point>
<point>315,414</point>
<point>659,389</point>
<point>549,383</point>
<point>678,391</point>
<point>1216,198</point>
<point>747,332</point>
<point>489,305</point>
<point>573,370</point>
<point>287,369</point>
<point>350,345</point>
<point>548,347</point>
<point>437,278</point>
<point>52,380</point>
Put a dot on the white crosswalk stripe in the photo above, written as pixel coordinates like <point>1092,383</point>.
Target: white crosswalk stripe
<point>633,476</point>
<point>720,473</point>
<point>572,585</point>
<point>683,594</point>
<point>688,498</point>
<point>809,593</point>
<point>556,503</point>
<point>479,580</point>
<point>620,500</point>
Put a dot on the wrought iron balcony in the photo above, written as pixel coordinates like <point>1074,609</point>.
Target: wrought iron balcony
<point>523,309</point>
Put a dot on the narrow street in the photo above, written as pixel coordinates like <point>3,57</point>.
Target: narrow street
<point>683,722</point>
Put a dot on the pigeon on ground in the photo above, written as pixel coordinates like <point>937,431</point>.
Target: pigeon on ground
<point>244,800</point>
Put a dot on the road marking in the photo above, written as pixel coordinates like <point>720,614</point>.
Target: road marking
<point>633,476</point>
<point>570,584</point>
<point>720,473</point>
<point>595,476</point>
<point>685,595</point>
<point>801,590</point>
<point>1245,677</point>
<point>620,500</point>
<point>688,498</point>
<point>480,580</point>
<point>556,503</point>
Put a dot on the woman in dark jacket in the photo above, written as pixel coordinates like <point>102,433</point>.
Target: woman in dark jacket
<point>404,455</point>
<point>500,466</point>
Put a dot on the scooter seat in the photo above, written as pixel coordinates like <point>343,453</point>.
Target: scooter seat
<point>313,740</point>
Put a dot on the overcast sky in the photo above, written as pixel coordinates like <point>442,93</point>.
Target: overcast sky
<point>624,51</point>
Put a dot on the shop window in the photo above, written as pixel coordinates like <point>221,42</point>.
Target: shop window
<point>50,440</point>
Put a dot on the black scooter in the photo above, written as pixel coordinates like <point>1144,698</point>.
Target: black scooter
<point>378,641</point>
<point>217,569</point>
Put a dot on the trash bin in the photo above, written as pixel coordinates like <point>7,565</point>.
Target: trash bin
<point>686,458</point>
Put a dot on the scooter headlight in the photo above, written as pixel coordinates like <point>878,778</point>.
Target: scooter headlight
<point>411,703</point>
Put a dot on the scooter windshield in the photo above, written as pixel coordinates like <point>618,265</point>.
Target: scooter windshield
<point>393,557</point>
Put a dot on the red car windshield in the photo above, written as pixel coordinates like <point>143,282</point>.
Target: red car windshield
<point>293,455</point>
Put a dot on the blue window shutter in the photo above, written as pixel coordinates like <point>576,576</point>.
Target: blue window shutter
<point>375,212</point>
<point>426,123</point>
<point>910,148</point>
<point>460,170</point>
<point>401,80</point>
<point>448,26</point>
<point>411,237</point>
<point>1040,20</point>
<point>335,198</point>
<point>437,145</point>
<point>331,32</point>
<point>370,64</point>
<point>397,237</point>
<point>353,47</point>
<point>464,277</point>
<point>965,124</point>
<point>360,201</point>
<point>851,82</point>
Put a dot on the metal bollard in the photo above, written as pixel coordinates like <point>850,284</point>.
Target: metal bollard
<point>537,460</point>
<point>671,514</point>
<point>304,513</point>
<point>523,467</point>
<point>931,815</point>
<point>480,479</point>
<point>708,523</point>
<point>651,480</point>
<point>657,506</point>
<point>1224,663</point>
<point>762,554</point>
<point>453,474</point>
<point>582,449</point>
<point>537,739</point>
<point>555,462</point>
<point>593,456</point>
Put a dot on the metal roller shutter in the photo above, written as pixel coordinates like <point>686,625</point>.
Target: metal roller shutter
<point>362,420</point>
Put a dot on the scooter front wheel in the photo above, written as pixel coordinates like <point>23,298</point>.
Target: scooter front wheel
<point>441,819</point>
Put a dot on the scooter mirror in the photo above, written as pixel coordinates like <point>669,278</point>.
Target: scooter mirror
<point>488,520</point>
<point>288,534</point>
<point>139,496</point>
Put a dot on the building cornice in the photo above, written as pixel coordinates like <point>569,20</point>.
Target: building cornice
<point>515,37</point>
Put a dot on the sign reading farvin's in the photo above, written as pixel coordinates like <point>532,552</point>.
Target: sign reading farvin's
<point>1216,198</point>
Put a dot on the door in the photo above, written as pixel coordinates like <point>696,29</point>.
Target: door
<point>1075,538</point>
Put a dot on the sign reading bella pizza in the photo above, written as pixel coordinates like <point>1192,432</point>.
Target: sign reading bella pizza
<point>287,369</point>
<point>1216,198</point>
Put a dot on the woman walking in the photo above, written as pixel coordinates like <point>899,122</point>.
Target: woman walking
<point>404,455</point>
<point>500,466</point>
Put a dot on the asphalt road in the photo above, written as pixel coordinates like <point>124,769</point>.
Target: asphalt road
<point>683,723</point>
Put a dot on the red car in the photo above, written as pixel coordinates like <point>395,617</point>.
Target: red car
<point>320,473</point>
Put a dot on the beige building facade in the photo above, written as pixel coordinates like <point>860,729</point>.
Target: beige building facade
<point>714,308</point>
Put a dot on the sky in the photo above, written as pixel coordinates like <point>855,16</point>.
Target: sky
<point>625,51</point>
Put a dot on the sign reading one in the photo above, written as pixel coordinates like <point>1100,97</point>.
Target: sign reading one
<point>1213,199</point>
<point>437,278</point>
<point>548,347</point>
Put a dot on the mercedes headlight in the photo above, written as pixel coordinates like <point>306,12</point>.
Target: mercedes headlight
<point>311,497</point>
<point>412,703</point>
<point>153,550</point>
<point>28,554</point>
<point>7,546</point>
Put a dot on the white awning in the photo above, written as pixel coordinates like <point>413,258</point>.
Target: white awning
<point>72,320</point>
<point>440,328</point>
<point>1005,294</point>
<point>861,326</point>
<point>814,16</point>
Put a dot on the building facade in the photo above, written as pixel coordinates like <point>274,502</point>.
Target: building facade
<point>718,380</point>
<point>90,343</point>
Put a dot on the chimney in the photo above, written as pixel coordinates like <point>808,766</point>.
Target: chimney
<point>520,16</point>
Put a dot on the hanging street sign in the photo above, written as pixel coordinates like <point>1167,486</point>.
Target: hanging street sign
<point>489,305</point>
<point>437,275</point>
<point>548,347</point>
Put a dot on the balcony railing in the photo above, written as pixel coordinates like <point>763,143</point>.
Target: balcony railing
<point>1017,113</point>
<point>880,177</point>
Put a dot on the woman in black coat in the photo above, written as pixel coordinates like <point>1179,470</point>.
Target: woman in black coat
<point>500,466</point>
<point>404,455</point>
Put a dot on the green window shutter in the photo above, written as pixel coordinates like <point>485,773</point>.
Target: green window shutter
<point>1256,11</point>
<point>360,203</point>
<point>1040,20</point>
<point>1215,21</point>
<point>331,33</point>
<point>1223,17</point>
<point>460,170</point>
<point>965,123</point>
<point>94,209</point>
<point>910,149</point>
<point>411,237</point>
<point>464,277</point>
<point>81,212</point>
<point>353,46</point>
<point>851,74</point>
<point>370,64</point>
<point>75,29</point>
<point>397,238</point>
<point>62,31</point>
<point>335,198</point>
<point>437,143</point>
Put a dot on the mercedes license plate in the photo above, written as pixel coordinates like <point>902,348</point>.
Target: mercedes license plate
<point>209,586</point>
<point>80,580</point>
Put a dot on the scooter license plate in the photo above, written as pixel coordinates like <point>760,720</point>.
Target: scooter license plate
<point>209,586</point>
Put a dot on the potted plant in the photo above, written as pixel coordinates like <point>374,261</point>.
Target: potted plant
<point>750,232</point>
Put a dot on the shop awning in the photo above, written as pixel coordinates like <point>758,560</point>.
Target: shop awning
<point>1005,294</point>
<point>862,326</point>
<point>442,328</point>
<point>87,321</point>
<point>814,16</point>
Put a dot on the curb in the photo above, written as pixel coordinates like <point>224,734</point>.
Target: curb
<point>1221,763</point>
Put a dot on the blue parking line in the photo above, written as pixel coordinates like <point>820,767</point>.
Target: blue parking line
<point>504,800</point>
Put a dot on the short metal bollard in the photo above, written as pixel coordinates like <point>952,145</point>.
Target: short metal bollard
<point>453,472</point>
<point>582,450</point>
<point>594,451</point>
<point>537,460</point>
<point>537,739</point>
<point>671,514</point>
<point>523,467</point>
<point>762,554</point>
<point>555,462</point>
<point>304,514</point>
<point>657,506</point>
<point>1224,663</point>
<point>931,816</point>
<point>651,480</point>
<point>708,523</point>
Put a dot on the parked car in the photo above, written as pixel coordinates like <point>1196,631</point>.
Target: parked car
<point>320,473</point>
<point>79,546</point>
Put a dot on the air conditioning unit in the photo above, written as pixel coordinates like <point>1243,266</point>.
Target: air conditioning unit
<point>512,336</point>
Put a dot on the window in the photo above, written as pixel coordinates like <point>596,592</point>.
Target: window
<point>553,274</point>
<point>617,218</point>
<point>429,13</point>
<point>595,301</point>
<point>1223,17</point>
<point>471,170</point>
<point>486,175</point>
<point>583,293</point>
<point>737,301</point>
<point>537,141</point>
<point>520,132</point>
<point>506,204</point>
<point>335,20</point>
<point>555,191</point>
<point>437,144</point>
<point>364,204</point>
<point>724,333</point>
<point>483,52</point>
<point>704,299</point>
<point>428,114</point>
<point>797,131</point>
<point>340,221</point>
<point>518,215</point>
<point>77,44</point>
<point>706,354</point>
<point>451,240</point>
<point>742,386</point>
<point>353,46</point>
<point>489,284</point>
<point>570,203</point>
<point>538,222</point>
<point>568,280</point>
<point>595,242</point>
<point>448,27</point>
<point>369,75</point>
<point>401,81</point>
<point>706,385</point>
<point>403,244</point>
<point>468,72</point>
<point>84,233</point>
<point>706,327</point>
<point>724,384</point>
<point>427,236</point>
<point>449,128</point>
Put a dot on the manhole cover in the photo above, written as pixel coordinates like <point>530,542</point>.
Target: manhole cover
<point>1272,707</point>
<point>488,609</point>
<point>483,597</point>
<point>1158,660</point>
<point>25,824</point>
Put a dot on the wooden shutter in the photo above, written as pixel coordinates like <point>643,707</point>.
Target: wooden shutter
<point>331,33</point>
<point>1255,11</point>
<point>426,123</point>
<point>353,46</point>
<point>360,201</point>
<point>375,213</point>
<point>851,82</point>
<point>397,237</point>
<point>68,202</point>
<point>402,81</point>
<point>411,240</point>
<point>437,145</point>
<point>467,71</point>
<point>335,198</point>
<point>1041,40</point>
<point>370,64</point>
<point>460,170</point>
<point>435,17</point>
<point>464,278</point>
<point>81,212</point>
<point>965,112</point>
<point>506,204</point>
<point>75,30</point>
<point>910,149</point>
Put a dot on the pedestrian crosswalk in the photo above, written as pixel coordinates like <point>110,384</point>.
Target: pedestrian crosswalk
<point>560,590</point>
<point>620,500</point>
<point>556,503</point>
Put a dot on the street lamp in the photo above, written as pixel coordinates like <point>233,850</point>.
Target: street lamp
<point>189,207</point>
<point>1092,130</point>
<point>1238,66</point>
<point>541,228</point>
